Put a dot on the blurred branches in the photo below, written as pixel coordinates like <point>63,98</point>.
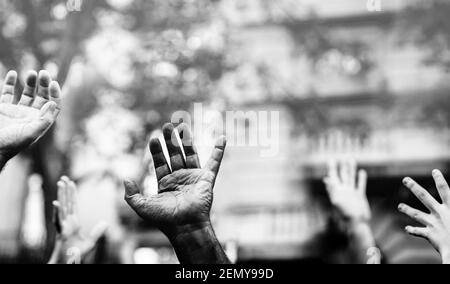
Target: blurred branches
<point>427,24</point>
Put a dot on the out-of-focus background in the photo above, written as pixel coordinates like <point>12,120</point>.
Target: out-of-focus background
<point>368,79</point>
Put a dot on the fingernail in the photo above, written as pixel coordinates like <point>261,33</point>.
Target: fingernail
<point>130,188</point>
<point>32,78</point>
<point>406,181</point>
<point>436,172</point>
<point>221,142</point>
<point>44,78</point>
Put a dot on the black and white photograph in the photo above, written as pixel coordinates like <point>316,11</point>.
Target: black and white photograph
<point>245,134</point>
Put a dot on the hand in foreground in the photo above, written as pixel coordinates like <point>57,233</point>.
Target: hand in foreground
<point>347,191</point>
<point>437,222</point>
<point>25,120</point>
<point>71,246</point>
<point>185,194</point>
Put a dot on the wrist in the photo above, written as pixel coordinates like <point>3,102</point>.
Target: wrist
<point>197,244</point>
<point>361,232</point>
<point>445,254</point>
<point>179,233</point>
<point>55,258</point>
<point>358,223</point>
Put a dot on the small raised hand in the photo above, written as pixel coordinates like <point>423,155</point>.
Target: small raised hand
<point>437,221</point>
<point>25,119</point>
<point>347,190</point>
<point>181,209</point>
<point>71,246</point>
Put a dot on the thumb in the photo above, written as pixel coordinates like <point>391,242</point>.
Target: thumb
<point>56,219</point>
<point>133,195</point>
<point>328,185</point>
<point>131,189</point>
<point>47,117</point>
<point>362,181</point>
<point>215,161</point>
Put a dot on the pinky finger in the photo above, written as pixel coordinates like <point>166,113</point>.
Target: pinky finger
<point>417,232</point>
<point>362,181</point>
<point>55,93</point>
<point>57,216</point>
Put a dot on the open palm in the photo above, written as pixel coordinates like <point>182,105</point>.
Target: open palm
<point>436,223</point>
<point>26,119</point>
<point>185,191</point>
<point>347,192</point>
<point>72,246</point>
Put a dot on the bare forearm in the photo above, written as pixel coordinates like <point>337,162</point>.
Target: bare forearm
<point>198,245</point>
<point>361,241</point>
<point>55,258</point>
<point>445,256</point>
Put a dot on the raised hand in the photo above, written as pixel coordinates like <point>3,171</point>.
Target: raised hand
<point>181,209</point>
<point>71,246</point>
<point>437,222</point>
<point>25,119</point>
<point>347,190</point>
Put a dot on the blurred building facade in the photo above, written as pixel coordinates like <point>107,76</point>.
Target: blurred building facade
<point>365,96</point>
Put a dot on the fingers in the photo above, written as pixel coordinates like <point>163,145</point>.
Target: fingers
<point>67,198</point>
<point>8,89</point>
<point>162,168</point>
<point>30,89</point>
<point>421,194</point>
<point>43,93</point>
<point>56,217</point>
<point>68,195</point>
<point>46,90</point>
<point>192,159</point>
<point>329,186</point>
<point>442,186</point>
<point>62,201</point>
<point>333,170</point>
<point>351,165</point>
<point>415,214</point>
<point>344,172</point>
<point>362,182</point>
<point>71,195</point>
<point>176,154</point>
<point>417,232</point>
<point>55,94</point>
<point>215,161</point>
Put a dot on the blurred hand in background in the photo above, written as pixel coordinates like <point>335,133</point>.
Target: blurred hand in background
<point>185,194</point>
<point>437,222</point>
<point>71,246</point>
<point>346,187</point>
<point>25,119</point>
<point>347,190</point>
